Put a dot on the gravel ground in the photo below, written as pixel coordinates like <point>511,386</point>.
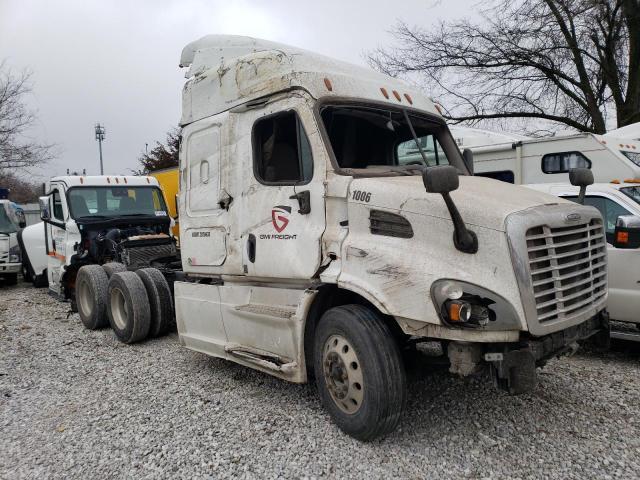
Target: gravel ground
<point>78,404</point>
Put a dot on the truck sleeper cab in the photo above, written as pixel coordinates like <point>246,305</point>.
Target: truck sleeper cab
<point>313,243</point>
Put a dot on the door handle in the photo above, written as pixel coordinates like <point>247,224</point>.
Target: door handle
<point>251,248</point>
<point>304,201</point>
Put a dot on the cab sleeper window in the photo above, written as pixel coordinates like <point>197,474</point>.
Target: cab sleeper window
<point>282,154</point>
<point>564,161</point>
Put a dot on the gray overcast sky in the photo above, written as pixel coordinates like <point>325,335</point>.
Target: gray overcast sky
<point>117,61</point>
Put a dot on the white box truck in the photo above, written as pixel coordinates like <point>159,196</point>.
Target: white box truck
<point>310,246</point>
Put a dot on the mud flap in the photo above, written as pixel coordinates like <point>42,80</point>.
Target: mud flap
<point>516,372</point>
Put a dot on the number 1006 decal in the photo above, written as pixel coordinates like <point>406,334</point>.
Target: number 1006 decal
<point>361,196</point>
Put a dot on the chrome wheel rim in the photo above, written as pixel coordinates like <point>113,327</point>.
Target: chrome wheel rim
<point>343,374</point>
<point>119,309</point>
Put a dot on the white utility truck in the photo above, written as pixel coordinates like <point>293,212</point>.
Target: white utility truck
<point>310,246</point>
<point>619,204</point>
<point>521,160</point>
<point>11,220</point>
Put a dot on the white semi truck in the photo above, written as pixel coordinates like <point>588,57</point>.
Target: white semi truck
<point>310,248</point>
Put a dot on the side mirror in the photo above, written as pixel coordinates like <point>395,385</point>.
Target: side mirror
<point>627,233</point>
<point>443,179</point>
<point>467,156</point>
<point>44,208</point>
<point>581,177</point>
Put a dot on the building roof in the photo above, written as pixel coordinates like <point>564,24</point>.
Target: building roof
<point>225,71</point>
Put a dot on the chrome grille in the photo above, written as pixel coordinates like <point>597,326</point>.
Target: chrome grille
<point>568,268</point>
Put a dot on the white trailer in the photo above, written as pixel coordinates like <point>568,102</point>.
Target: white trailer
<point>522,160</point>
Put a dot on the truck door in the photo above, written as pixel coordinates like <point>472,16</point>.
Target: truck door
<point>55,237</point>
<point>283,210</point>
<point>623,264</point>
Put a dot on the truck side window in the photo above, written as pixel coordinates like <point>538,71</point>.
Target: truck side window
<point>562,162</point>
<point>282,153</point>
<point>57,206</point>
<point>609,210</point>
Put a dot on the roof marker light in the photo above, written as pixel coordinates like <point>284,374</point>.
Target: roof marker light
<point>108,180</point>
<point>81,180</point>
<point>117,181</point>
<point>327,83</point>
<point>148,181</point>
<point>384,92</point>
<point>632,180</point>
<point>438,107</point>
<point>616,181</point>
<point>408,97</point>
<point>397,95</point>
<point>125,179</point>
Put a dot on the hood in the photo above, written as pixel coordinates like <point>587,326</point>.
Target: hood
<point>482,202</point>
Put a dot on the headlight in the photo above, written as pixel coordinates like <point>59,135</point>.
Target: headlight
<point>15,255</point>
<point>465,305</point>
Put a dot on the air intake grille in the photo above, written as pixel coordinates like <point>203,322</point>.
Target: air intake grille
<point>568,267</point>
<point>389,224</point>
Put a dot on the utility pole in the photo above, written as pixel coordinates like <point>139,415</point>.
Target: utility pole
<point>101,132</point>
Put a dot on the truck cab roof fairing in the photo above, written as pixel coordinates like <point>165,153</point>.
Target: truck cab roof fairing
<point>225,71</point>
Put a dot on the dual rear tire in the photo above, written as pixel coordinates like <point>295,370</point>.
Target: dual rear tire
<point>135,304</point>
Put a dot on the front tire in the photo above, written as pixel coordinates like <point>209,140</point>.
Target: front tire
<point>359,371</point>
<point>128,307</point>
<point>91,296</point>
<point>10,278</point>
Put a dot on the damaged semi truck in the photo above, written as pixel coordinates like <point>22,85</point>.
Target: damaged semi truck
<point>312,246</point>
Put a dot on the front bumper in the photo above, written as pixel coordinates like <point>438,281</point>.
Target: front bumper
<point>513,366</point>
<point>10,268</point>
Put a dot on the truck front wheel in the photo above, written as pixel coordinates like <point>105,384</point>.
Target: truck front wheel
<point>359,371</point>
<point>91,296</point>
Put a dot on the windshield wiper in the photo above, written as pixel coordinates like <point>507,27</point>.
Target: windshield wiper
<point>415,137</point>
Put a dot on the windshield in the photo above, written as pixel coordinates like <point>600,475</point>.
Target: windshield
<point>6,225</point>
<point>116,201</point>
<point>376,140</point>
<point>632,192</point>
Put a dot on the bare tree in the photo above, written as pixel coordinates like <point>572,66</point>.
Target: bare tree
<point>163,155</point>
<point>571,62</point>
<point>17,151</point>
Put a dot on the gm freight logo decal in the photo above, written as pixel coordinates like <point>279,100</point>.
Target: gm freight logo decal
<point>280,217</point>
<point>280,220</point>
